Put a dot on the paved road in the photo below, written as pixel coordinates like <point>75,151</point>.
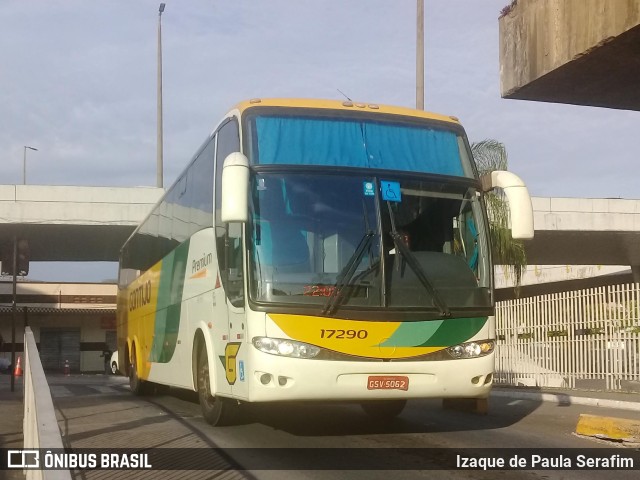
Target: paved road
<point>100,412</point>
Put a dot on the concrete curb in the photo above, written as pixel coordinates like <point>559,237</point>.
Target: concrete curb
<point>609,428</point>
<point>564,399</point>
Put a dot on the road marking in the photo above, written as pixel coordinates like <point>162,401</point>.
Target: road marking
<point>58,391</point>
<point>515,402</point>
<point>62,391</point>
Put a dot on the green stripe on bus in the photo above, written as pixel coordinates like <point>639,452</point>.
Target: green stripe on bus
<point>167,320</point>
<point>435,333</point>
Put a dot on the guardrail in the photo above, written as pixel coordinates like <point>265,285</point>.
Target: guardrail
<point>40,425</point>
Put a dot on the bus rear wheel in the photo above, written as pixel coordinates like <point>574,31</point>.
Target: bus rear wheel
<point>383,409</point>
<point>137,385</point>
<point>217,411</point>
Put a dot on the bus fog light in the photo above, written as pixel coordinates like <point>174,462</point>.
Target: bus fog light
<point>285,348</point>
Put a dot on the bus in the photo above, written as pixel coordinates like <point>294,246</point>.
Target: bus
<point>318,250</point>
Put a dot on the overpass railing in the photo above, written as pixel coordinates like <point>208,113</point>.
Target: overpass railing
<point>40,426</point>
<point>583,339</point>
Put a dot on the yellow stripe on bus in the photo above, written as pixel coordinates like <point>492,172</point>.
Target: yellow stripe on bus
<point>359,338</point>
<point>142,304</point>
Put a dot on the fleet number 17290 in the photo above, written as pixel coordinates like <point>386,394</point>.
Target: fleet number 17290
<point>344,334</point>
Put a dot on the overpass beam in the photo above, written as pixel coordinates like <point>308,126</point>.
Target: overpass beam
<point>571,51</point>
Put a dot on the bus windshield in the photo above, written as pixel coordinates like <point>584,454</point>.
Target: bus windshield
<point>358,241</point>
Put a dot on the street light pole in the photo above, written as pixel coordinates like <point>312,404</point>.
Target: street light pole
<point>24,163</point>
<point>159,167</point>
<point>14,307</point>
<point>420,56</point>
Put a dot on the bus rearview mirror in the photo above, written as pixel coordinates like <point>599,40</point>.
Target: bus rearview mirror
<point>235,188</point>
<point>520,208</point>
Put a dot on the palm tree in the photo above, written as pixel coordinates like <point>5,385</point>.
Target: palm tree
<point>489,156</point>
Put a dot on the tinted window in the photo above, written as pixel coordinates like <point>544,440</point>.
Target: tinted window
<point>186,208</point>
<point>200,186</point>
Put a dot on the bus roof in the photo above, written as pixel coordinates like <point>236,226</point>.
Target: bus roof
<point>342,105</point>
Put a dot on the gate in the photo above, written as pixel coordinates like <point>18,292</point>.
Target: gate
<point>587,339</point>
<point>58,345</point>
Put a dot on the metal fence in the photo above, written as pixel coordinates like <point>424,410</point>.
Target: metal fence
<point>584,339</point>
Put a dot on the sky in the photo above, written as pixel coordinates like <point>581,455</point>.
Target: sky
<point>78,82</point>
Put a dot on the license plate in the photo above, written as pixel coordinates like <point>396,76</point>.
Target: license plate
<point>388,382</point>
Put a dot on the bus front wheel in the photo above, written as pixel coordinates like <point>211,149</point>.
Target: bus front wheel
<point>216,411</point>
<point>383,409</point>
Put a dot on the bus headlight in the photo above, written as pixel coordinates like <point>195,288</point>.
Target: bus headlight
<point>471,349</point>
<point>285,348</point>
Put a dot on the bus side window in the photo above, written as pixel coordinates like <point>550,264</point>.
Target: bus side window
<point>228,236</point>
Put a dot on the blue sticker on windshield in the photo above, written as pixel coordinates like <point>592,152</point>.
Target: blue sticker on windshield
<point>390,191</point>
<point>369,191</point>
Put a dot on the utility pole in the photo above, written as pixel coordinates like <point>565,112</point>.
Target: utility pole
<point>159,166</point>
<point>24,163</point>
<point>420,56</point>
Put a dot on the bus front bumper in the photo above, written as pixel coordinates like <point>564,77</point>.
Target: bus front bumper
<point>277,378</point>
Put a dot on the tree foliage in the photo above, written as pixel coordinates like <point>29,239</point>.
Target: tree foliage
<point>489,156</point>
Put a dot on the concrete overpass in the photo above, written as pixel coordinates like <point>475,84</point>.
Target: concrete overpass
<point>92,223</point>
<point>585,231</point>
<point>73,223</point>
<point>582,52</point>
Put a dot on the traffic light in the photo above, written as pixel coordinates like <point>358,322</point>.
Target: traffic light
<point>7,259</point>
<point>22,260</point>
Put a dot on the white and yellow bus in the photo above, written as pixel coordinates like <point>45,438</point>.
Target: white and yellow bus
<point>318,250</point>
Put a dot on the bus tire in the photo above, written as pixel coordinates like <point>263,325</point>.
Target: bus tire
<point>383,409</point>
<point>217,411</point>
<point>136,384</point>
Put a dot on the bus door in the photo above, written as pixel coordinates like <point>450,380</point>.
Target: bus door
<point>236,347</point>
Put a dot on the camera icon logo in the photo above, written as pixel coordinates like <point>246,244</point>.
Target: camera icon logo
<point>23,459</point>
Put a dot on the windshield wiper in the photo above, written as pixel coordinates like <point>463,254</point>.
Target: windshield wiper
<point>410,258</point>
<point>344,279</point>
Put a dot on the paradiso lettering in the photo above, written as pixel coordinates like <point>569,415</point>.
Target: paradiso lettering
<point>140,296</point>
<point>199,264</point>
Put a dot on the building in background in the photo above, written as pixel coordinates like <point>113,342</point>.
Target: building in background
<point>74,322</point>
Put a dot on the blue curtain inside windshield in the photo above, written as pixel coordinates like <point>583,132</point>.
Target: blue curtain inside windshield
<point>349,143</point>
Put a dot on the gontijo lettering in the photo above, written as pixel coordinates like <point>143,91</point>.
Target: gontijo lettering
<point>140,296</point>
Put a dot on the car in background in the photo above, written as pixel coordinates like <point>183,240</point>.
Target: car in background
<point>113,363</point>
<point>5,365</point>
